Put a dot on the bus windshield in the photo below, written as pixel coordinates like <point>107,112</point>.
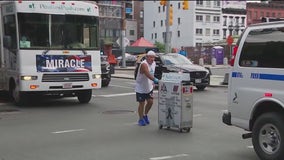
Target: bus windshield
<point>43,31</point>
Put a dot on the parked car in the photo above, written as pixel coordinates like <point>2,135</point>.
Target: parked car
<point>105,68</point>
<point>130,59</point>
<point>173,62</point>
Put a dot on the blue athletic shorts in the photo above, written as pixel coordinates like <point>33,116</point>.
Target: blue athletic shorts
<point>141,97</point>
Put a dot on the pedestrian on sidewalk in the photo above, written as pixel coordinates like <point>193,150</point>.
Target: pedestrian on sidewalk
<point>144,87</point>
<point>182,52</point>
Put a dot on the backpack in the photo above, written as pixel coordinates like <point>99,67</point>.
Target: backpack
<point>136,70</point>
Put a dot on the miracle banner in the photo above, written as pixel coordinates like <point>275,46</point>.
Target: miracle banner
<point>63,63</point>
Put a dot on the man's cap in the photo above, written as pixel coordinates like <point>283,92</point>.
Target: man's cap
<point>151,53</point>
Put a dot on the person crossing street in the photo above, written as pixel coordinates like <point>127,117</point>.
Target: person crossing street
<point>144,87</point>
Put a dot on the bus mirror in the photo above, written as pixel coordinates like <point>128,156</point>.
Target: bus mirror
<point>7,41</point>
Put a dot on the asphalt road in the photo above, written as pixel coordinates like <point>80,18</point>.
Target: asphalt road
<point>106,129</point>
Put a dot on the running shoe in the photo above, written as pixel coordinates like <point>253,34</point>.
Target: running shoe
<point>141,122</point>
<point>146,119</point>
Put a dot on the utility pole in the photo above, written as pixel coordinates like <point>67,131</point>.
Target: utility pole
<point>123,28</point>
<point>167,45</point>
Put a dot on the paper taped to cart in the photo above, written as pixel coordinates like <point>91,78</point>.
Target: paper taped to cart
<point>175,77</point>
<point>175,101</point>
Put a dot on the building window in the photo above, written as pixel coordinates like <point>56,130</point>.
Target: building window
<point>199,18</point>
<point>178,5</point>
<point>198,31</point>
<point>131,32</point>
<point>161,23</point>
<point>155,35</point>
<point>216,32</point>
<point>216,3</point>
<point>159,9</point>
<point>207,19</point>
<point>199,2</point>
<point>249,15</point>
<point>243,21</point>
<point>154,24</point>
<point>224,33</point>
<point>164,8</point>
<point>267,14</point>
<point>208,3</point>
<point>198,44</point>
<point>261,14</point>
<point>273,14</point>
<point>141,14</point>
<point>255,16</point>
<point>207,31</point>
<point>225,21</point>
<point>178,20</point>
<point>152,36</point>
<point>216,19</point>
<point>178,33</point>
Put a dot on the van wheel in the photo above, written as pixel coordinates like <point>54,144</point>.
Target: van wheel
<point>84,96</point>
<point>268,136</point>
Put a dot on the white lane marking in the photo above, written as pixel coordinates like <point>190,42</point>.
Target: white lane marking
<point>68,131</point>
<point>121,86</point>
<point>250,147</point>
<point>169,157</point>
<point>197,115</point>
<point>132,83</point>
<point>117,95</point>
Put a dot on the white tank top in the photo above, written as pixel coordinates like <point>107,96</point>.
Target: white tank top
<point>143,83</point>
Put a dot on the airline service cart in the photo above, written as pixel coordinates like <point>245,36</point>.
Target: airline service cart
<point>175,102</point>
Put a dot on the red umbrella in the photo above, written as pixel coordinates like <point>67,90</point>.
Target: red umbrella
<point>142,42</point>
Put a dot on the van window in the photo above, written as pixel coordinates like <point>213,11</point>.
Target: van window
<point>263,48</point>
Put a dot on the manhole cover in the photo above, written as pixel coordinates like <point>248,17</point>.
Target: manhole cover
<point>117,111</point>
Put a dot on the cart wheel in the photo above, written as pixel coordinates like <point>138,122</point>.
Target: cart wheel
<point>187,129</point>
<point>161,126</point>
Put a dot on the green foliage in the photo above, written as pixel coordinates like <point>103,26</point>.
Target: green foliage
<point>160,46</point>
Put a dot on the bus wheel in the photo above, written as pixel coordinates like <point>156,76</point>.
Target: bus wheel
<point>268,136</point>
<point>84,96</point>
<point>18,97</point>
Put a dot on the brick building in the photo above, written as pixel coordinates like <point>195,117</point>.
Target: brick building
<point>255,11</point>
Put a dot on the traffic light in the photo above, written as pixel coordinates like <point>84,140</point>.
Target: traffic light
<point>185,5</point>
<point>171,15</point>
<point>163,2</point>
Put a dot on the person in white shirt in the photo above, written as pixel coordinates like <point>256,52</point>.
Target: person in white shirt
<point>144,87</point>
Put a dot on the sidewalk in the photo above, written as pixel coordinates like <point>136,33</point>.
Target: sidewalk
<point>215,80</point>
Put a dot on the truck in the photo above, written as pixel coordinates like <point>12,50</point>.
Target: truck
<point>49,48</point>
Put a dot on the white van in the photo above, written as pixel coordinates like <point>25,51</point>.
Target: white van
<point>256,89</point>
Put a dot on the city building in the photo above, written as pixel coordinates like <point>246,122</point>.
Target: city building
<point>116,16</point>
<point>233,18</point>
<point>205,22</point>
<point>270,9</point>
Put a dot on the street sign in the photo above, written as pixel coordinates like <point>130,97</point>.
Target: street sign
<point>126,41</point>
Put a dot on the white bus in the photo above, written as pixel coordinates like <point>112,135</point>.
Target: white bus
<point>49,48</point>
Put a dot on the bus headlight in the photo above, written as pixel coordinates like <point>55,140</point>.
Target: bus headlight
<point>96,76</point>
<point>28,78</point>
